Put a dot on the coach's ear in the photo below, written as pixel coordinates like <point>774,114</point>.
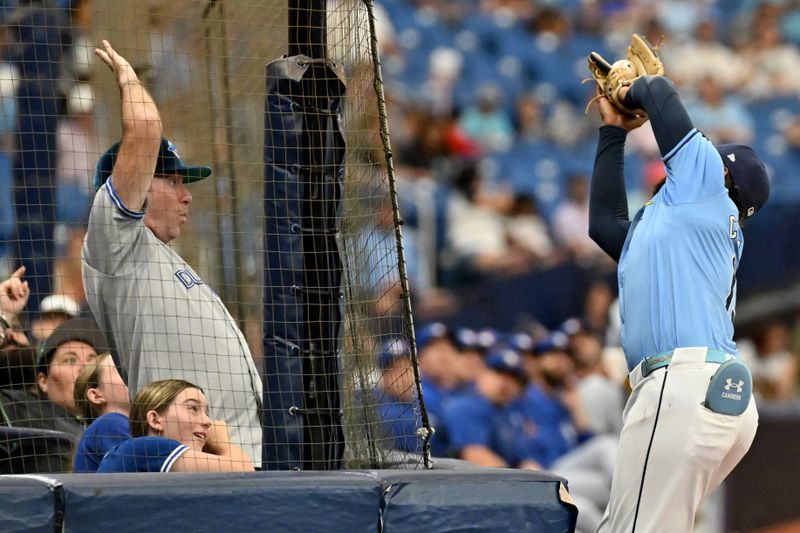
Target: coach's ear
<point>154,422</point>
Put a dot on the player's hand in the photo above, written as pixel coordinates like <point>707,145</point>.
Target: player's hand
<point>118,64</point>
<point>14,293</point>
<point>219,438</point>
<point>611,116</point>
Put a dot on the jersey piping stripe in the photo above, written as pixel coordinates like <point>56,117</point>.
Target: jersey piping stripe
<point>137,215</point>
<point>649,447</point>
<point>680,145</point>
<point>172,457</point>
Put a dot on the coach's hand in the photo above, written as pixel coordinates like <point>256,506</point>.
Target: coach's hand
<point>118,64</point>
<point>611,116</point>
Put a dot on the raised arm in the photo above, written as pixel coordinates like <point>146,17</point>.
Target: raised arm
<point>141,132</point>
<point>14,293</point>
<point>608,201</point>
<point>657,97</point>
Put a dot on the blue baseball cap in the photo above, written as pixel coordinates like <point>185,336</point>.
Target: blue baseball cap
<point>507,361</point>
<point>481,340</point>
<point>749,176</point>
<point>392,350</point>
<point>521,342</point>
<point>467,339</point>
<point>431,332</point>
<point>168,162</point>
<point>557,341</point>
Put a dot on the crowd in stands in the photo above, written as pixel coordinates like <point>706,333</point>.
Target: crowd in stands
<point>490,139</point>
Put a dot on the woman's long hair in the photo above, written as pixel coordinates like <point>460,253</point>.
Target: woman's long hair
<point>156,396</point>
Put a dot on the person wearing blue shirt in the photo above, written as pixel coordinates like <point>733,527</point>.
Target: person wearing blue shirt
<point>437,353</point>
<point>560,425</point>
<point>484,425</point>
<point>690,417</point>
<point>101,398</point>
<point>396,398</point>
<point>172,432</point>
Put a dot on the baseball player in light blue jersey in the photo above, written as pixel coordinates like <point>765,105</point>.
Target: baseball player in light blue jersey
<point>690,417</point>
<point>159,315</point>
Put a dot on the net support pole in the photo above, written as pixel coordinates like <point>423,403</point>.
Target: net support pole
<point>304,153</point>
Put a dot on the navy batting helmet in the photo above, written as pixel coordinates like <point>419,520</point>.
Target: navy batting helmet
<point>169,162</point>
<point>749,177</point>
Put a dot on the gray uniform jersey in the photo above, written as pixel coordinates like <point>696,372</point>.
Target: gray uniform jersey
<point>164,322</point>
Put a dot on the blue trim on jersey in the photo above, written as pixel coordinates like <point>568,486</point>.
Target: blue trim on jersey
<point>689,137</point>
<point>171,458</point>
<point>112,194</point>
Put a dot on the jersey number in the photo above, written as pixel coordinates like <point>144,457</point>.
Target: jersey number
<point>729,301</point>
<point>733,233</point>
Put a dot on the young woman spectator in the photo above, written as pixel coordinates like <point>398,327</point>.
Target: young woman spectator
<point>173,433</point>
<point>102,401</point>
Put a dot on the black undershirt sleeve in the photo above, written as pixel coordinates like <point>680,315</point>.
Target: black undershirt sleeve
<point>608,201</point>
<point>608,204</point>
<point>657,96</point>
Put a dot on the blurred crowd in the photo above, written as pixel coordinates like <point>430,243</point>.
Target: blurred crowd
<point>491,145</point>
<point>76,136</point>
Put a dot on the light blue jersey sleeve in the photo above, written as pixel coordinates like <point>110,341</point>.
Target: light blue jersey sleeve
<point>695,171</point>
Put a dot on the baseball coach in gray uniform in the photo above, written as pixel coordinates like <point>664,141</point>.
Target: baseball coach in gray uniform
<point>162,319</point>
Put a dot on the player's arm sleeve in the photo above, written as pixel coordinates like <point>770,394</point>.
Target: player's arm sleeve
<point>112,233</point>
<point>657,96</point>
<point>608,201</point>
<point>694,167</point>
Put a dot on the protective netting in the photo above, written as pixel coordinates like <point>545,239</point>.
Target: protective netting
<point>284,270</point>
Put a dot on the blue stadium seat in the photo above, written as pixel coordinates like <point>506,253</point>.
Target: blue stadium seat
<point>492,35</point>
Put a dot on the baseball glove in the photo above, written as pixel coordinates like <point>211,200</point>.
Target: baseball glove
<point>644,56</point>
<point>642,60</point>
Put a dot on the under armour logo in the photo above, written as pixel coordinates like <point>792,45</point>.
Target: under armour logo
<point>730,384</point>
<point>732,157</point>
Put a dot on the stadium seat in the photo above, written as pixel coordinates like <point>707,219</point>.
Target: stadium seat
<point>32,451</point>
